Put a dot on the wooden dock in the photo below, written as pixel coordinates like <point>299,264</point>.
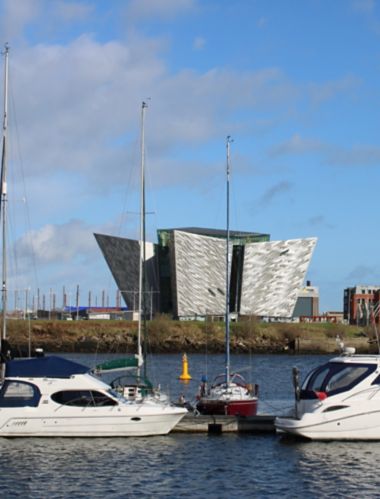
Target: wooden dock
<point>193,423</point>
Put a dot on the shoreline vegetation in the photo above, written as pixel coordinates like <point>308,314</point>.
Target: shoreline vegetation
<point>169,336</point>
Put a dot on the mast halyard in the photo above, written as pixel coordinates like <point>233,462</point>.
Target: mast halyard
<point>142,242</point>
<point>227,317</point>
<point>3,187</point>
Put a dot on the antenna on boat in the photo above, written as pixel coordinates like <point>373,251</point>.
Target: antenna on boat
<point>229,140</point>
<point>3,194</point>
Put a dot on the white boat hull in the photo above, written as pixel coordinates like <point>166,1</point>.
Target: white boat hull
<point>353,427</point>
<point>359,421</point>
<point>87,424</point>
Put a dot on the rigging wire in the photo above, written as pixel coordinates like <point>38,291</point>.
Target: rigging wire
<point>24,191</point>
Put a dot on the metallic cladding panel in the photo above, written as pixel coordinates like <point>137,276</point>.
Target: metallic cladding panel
<point>273,273</point>
<point>122,256</point>
<point>200,274</point>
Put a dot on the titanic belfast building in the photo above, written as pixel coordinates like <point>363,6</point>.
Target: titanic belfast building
<point>185,272</point>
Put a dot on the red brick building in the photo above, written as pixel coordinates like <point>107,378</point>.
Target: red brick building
<point>361,304</point>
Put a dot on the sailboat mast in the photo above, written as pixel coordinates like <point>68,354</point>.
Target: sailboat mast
<point>227,317</point>
<point>3,187</point>
<point>142,237</point>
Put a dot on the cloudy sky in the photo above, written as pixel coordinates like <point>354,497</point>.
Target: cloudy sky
<point>295,83</point>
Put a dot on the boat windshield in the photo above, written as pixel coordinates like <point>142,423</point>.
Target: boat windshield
<point>116,395</point>
<point>132,380</point>
<point>335,377</point>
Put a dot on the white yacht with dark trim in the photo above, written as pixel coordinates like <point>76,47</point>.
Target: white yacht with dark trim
<point>339,400</point>
<point>55,397</point>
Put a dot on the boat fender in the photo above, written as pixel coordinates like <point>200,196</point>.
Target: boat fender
<point>321,395</point>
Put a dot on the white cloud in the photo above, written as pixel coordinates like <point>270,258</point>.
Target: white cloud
<point>81,112</point>
<point>59,255</point>
<point>354,156</point>
<point>72,11</point>
<point>336,155</point>
<point>159,9</point>
<point>15,15</point>
<point>322,92</point>
<point>199,43</point>
<point>57,243</point>
<point>262,22</point>
<point>366,6</point>
<point>297,145</point>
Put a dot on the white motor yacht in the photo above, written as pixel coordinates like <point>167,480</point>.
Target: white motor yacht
<point>55,397</point>
<point>339,400</point>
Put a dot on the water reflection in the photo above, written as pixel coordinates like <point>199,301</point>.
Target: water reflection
<point>340,469</point>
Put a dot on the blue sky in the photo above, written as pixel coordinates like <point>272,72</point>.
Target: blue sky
<point>295,83</point>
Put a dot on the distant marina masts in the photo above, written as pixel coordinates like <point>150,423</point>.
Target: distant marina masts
<point>26,302</point>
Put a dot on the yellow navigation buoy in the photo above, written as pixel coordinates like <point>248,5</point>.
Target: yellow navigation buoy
<point>185,376</point>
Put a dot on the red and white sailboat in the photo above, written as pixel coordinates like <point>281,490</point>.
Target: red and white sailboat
<point>229,394</point>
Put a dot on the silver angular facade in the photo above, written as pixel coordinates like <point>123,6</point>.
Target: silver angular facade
<point>273,273</point>
<point>186,272</point>
<point>123,256</point>
<point>199,274</point>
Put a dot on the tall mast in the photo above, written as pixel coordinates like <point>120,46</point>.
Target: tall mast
<point>142,237</point>
<point>3,187</point>
<point>227,317</point>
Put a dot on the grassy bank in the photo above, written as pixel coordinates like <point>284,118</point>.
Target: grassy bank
<point>165,335</point>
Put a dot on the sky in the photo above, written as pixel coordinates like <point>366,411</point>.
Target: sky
<point>296,84</point>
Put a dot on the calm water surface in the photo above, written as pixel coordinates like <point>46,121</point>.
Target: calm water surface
<point>198,465</point>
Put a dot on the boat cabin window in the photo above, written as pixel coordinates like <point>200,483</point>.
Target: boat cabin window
<point>318,379</point>
<point>334,378</point>
<point>19,394</point>
<point>345,377</point>
<point>82,398</point>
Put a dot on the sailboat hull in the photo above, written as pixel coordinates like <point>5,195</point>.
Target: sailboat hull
<point>228,407</point>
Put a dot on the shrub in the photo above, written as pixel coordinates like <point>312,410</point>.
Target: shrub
<point>159,326</point>
<point>332,330</point>
<point>247,328</point>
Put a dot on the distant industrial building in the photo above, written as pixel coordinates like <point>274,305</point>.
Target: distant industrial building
<point>185,273</point>
<point>307,305</point>
<point>80,312</point>
<point>96,313</point>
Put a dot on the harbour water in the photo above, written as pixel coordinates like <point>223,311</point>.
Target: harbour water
<point>195,465</point>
